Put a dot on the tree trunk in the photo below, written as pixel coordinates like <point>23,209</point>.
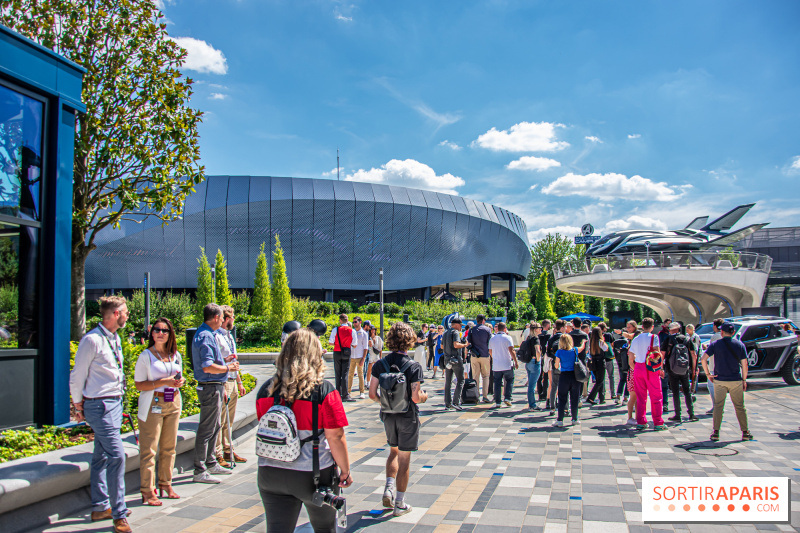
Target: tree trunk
<point>78,285</point>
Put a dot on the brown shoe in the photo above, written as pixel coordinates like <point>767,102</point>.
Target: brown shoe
<point>121,526</point>
<point>235,457</point>
<point>222,462</point>
<point>105,515</point>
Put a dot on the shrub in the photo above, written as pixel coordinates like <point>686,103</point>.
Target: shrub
<point>9,301</point>
<point>177,307</point>
<point>372,308</point>
<point>261,288</point>
<point>241,303</point>
<point>280,297</point>
<point>256,331</point>
<point>222,292</point>
<point>344,307</point>
<point>391,309</point>
<point>301,310</point>
<point>92,308</point>
<point>328,308</point>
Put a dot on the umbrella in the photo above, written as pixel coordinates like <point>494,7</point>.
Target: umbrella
<point>583,316</point>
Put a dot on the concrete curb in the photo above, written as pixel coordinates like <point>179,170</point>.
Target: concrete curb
<point>24,483</point>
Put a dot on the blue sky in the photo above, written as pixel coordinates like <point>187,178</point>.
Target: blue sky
<point>621,114</point>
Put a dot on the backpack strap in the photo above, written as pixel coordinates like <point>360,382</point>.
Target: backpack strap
<point>406,366</point>
<point>385,364</point>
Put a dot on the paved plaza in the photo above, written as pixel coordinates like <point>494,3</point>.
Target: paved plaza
<point>507,470</point>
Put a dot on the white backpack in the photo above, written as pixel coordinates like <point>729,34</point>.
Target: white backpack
<point>277,437</point>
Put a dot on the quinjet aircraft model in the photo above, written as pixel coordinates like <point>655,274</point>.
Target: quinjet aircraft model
<point>698,235</point>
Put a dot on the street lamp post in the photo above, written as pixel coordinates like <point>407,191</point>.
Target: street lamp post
<point>214,283</point>
<point>381,290</point>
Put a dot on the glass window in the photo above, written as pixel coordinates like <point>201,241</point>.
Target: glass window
<point>19,249</point>
<point>755,333</point>
<point>20,154</point>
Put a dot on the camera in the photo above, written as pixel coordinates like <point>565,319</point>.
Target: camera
<point>325,496</point>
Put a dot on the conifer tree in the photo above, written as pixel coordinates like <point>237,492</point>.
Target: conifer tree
<point>281,297</point>
<point>261,290</point>
<point>544,309</point>
<point>205,289</point>
<point>223,292</point>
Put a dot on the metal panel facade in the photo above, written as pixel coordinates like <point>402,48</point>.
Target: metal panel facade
<point>335,235</point>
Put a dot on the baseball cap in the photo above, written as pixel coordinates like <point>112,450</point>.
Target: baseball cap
<point>456,320</point>
<point>727,327</point>
<point>675,325</point>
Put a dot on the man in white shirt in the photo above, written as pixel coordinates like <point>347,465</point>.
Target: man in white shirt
<point>504,361</point>
<point>358,352</point>
<point>647,381</point>
<point>233,389</point>
<point>97,384</point>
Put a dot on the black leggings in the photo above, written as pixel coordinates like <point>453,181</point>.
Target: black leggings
<point>431,357</point>
<point>568,386</point>
<point>599,369</point>
<point>284,491</point>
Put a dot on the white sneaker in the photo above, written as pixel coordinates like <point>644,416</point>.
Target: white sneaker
<point>576,422</point>
<point>558,424</point>
<point>400,511</point>
<point>205,477</point>
<point>388,497</point>
<point>631,422</point>
<point>219,470</point>
<point>361,396</point>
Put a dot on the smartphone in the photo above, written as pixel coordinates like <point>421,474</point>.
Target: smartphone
<point>177,376</point>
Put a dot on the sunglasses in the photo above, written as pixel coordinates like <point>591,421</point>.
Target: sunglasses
<point>160,330</point>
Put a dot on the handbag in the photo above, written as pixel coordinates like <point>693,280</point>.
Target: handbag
<point>581,372</point>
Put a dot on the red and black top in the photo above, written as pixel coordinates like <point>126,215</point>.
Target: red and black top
<point>331,415</point>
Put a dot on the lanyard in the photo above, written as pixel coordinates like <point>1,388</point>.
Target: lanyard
<point>116,349</point>
<point>169,360</point>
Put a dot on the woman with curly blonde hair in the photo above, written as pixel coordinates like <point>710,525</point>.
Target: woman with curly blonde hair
<point>286,486</point>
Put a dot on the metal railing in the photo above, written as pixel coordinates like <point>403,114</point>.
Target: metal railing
<point>722,260</point>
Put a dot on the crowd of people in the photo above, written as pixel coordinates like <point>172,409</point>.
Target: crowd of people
<point>310,464</point>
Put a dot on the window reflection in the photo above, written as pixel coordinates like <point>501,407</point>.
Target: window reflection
<point>18,288</point>
<point>20,154</point>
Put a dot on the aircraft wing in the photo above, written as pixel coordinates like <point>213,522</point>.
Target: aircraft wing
<point>736,236</point>
<point>729,219</point>
<point>697,223</point>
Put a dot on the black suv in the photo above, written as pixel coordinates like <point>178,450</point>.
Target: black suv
<point>771,349</point>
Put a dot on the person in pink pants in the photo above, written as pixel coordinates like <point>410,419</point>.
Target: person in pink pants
<point>646,381</point>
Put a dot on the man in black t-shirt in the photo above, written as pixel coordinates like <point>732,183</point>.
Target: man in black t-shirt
<point>579,339</point>
<point>670,341</point>
<point>402,429</point>
<point>544,381</point>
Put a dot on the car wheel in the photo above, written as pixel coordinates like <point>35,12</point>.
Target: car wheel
<point>791,370</point>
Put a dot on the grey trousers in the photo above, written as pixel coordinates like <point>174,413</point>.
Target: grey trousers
<point>458,370</point>
<point>208,428</point>
<point>107,474</point>
<point>611,366</point>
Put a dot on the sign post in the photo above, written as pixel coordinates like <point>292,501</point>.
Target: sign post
<point>381,290</point>
<point>146,300</point>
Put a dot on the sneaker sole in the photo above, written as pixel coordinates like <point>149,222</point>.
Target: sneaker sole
<point>388,503</point>
<point>206,481</point>
<point>401,512</point>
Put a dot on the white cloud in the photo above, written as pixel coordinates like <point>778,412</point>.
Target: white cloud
<point>634,221</point>
<point>218,96</point>
<point>451,145</point>
<point>440,119</point>
<point>796,162</point>
<point>593,139</point>
<point>565,231</point>
<point>614,186</point>
<point>793,167</point>
<point>341,17</point>
<point>523,137</point>
<point>533,187</point>
<point>634,135</point>
<point>332,172</point>
<point>409,173</point>
<point>530,162</point>
<point>201,56</point>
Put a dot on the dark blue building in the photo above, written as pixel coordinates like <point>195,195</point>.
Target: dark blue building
<point>336,235</point>
<point>40,96</point>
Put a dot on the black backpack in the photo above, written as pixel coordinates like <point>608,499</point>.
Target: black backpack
<point>679,357</point>
<point>395,390</point>
<point>620,348</point>
<point>552,346</point>
<point>525,354</point>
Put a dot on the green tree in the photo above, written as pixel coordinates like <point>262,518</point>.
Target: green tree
<point>624,305</point>
<point>544,309</point>
<point>281,297</point>
<point>567,303</point>
<point>638,311</point>
<point>594,306</point>
<point>205,285</point>
<point>9,262</point>
<point>548,252</point>
<point>137,147</point>
<point>222,294</point>
<point>260,305</point>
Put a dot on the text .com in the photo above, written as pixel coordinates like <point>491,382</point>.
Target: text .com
<point>726,499</point>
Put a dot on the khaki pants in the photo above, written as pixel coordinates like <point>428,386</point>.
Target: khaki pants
<point>232,390</point>
<point>481,369</point>
<point>356,367</point>
<point>159,434</point>
<point>736,390</point>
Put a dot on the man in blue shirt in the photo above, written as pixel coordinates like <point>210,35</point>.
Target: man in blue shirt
<point>729,377</point>
<point>211,373</point>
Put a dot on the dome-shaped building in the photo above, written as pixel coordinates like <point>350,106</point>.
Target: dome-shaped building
<point>336,235</point>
